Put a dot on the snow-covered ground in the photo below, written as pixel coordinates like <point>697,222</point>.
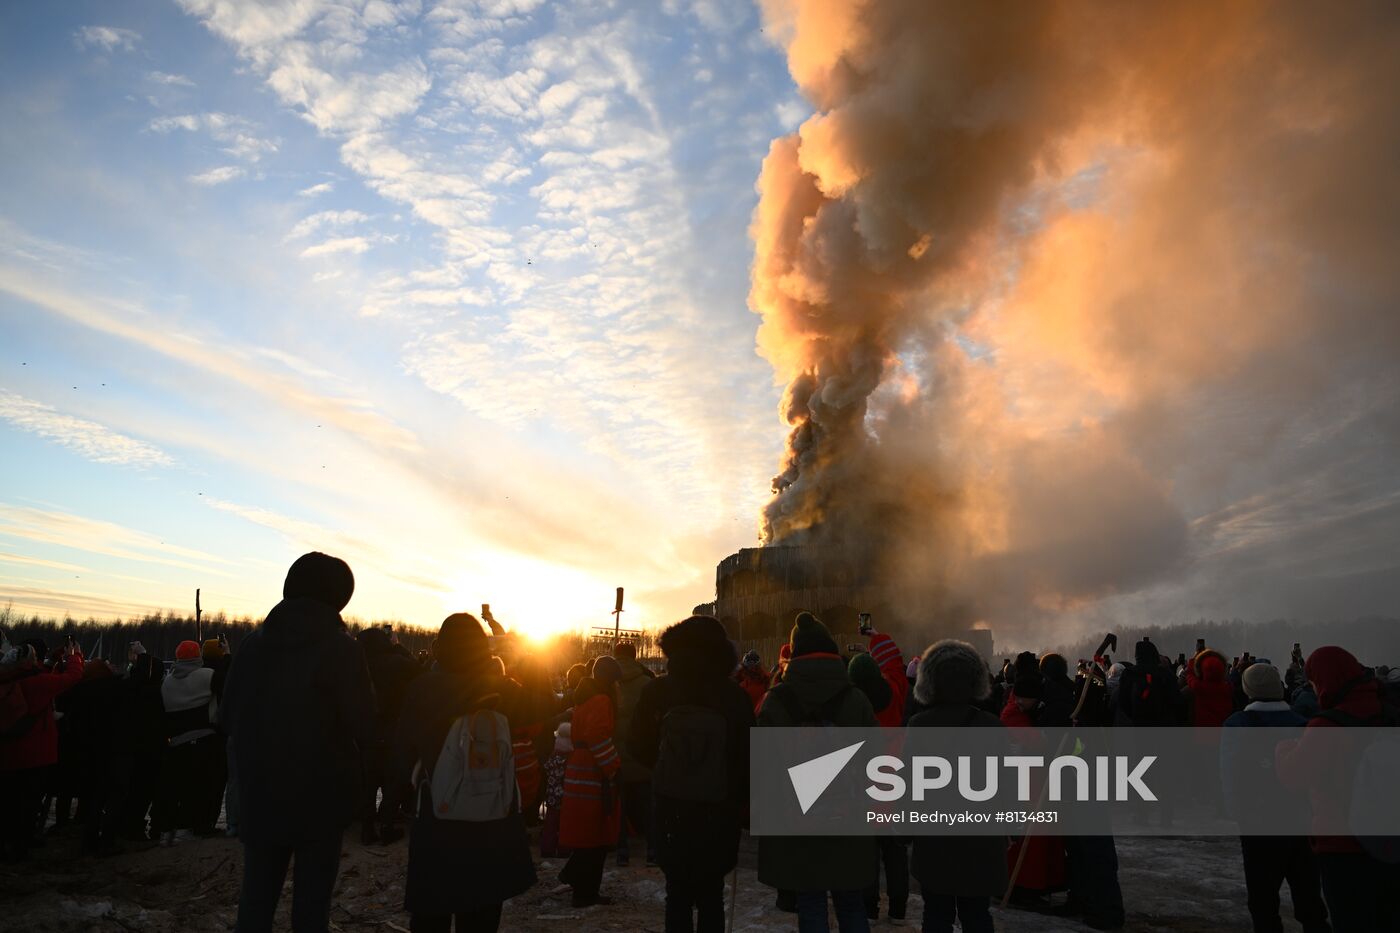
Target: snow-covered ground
<point>1168,885</point>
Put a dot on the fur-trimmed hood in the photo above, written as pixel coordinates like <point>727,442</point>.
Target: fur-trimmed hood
<point>699,647</point>
<point>952,672</point>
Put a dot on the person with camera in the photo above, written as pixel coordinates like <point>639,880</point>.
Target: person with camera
<point>29,736</point>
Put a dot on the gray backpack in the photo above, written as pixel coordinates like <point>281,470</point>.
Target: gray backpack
<point>474,779</point>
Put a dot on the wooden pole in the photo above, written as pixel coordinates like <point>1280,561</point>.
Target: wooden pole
<point>617,620</point>
<point>198,624</point>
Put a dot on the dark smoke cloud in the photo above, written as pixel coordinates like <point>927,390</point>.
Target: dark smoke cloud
<point>1080,306</point>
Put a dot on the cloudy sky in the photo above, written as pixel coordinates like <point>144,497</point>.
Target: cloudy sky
<point>455,290</point>
<point>458,290</point>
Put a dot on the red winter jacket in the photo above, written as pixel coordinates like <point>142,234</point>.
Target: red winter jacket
<point>591,815</point>
<point>1310,763</point>
<point>1212,698</point>
<point>39,746</point>
<point>886,654</point>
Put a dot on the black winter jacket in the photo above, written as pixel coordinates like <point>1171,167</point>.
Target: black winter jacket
<point>698,838</point>
<point>299,708</point>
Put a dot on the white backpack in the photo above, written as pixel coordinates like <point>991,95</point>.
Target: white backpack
<point>474,780</point>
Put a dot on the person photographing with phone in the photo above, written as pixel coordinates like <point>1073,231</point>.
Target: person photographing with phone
<point>30,747</point>
<point>880,674</point>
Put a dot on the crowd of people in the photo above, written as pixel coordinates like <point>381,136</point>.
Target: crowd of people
<point>483,756</point>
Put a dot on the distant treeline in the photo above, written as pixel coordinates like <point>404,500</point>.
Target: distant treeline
<point>160,633</point>
<point>1374,640</point>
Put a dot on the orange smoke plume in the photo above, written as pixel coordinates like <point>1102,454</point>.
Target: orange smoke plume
<point>1019,249</point>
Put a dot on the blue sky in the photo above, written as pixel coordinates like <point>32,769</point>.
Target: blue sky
<point>454,290</point>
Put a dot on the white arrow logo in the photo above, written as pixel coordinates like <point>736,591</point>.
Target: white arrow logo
<point>811,778</point>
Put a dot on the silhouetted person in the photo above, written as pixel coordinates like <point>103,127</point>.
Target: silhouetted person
<point>1247,774</point>
<point>460,869</point>
<point>299,709</point>
<point>391,670</point>
<point>31,745</point>
<point>634,780</point>
<point>194,751</point>
<point>816,690</point>
<point>1358,886</point>
<point>959,875</point>
<point>692,727</point>
<point>146,714</point>
<point>592,814</point>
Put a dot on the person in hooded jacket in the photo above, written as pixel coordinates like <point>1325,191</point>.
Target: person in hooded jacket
<point>635,777</point>
<point>752,677</point>
<point>1209,700</point>
<point>146,722</point>
<point>958,875</point>
<point>391,670</point>
<point>1043,868</point>
<point>1091,861</point>
<point>100,727</point>
<point>32,747</point>
<point>1147,692</point>
<point>216,658</point>
<point>1058,697</point>
<point>1148,697</point>
<point>456,868</point>
<point>881,676</point>
<point>299,708</point>
<point>188,765</point>
<point>1359,888</point>
<point>591,813</point>
<point>697,840</point>
<point>1247,773</point>
<point>815,686</point>
<point>533,742</point>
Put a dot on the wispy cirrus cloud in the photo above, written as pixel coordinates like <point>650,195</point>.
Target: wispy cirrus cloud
<point>89,439</point>
<point>317,190</point>
<point>559,287</point>
<point>107,38</point>
<point>218,176</point>
<point>214,354</point>
<point>165,77</point>
<point>95,536</point>
<point>324,220</point>
<point>236,135</point>
<point>343,244</point>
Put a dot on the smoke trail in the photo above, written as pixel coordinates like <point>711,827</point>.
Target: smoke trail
<point>1025,256</point>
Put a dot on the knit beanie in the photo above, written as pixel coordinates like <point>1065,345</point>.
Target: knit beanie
<point>863,670</point>
<point>1262,682</point>
<point>1030,683</point>
<point>866,677</point>
<point>212,649</point>
<point>320,577</point>
<point>606,670</point>
<point>187,651</point>
<point>809,636</point>
<point>952,672</point>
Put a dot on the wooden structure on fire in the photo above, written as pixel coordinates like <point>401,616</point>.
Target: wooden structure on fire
<point>759,590</point>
